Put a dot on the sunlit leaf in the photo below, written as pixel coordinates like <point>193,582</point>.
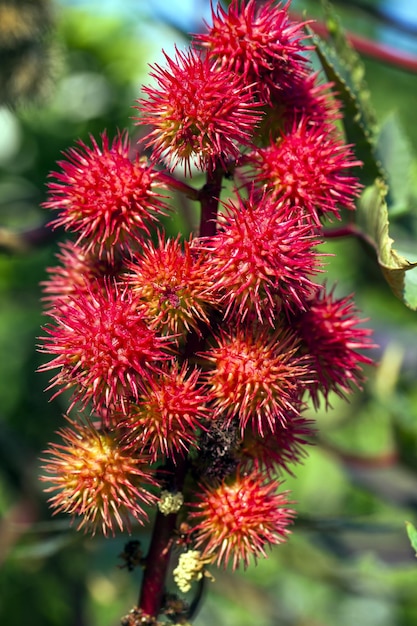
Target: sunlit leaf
<point>399,271</point>
<point>412,535</point>
<point>397,160</point>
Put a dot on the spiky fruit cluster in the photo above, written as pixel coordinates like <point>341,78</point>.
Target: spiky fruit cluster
<point>197,353</point>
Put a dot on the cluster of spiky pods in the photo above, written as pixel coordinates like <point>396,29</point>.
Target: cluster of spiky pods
<point>192,358</point>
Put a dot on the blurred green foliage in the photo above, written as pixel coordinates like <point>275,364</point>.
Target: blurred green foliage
<point>349,560</point>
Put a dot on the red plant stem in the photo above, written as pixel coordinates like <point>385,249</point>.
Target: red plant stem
<point>209,199</point>
<point>19,242</point>
<point>372,49</point>
<point>173,183</point>
<point>350,230</point>
<point>385,459</point>
<point>157,560</point>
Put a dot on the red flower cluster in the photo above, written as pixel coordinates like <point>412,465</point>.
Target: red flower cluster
<point>198,355</point>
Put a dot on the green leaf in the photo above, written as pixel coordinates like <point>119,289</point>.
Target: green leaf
<point>412,535</point>
<point>343,67</point>
<point>372,218</point>
<point>397,160</point>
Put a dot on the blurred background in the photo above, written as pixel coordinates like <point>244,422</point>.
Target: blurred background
<point>77,70</point>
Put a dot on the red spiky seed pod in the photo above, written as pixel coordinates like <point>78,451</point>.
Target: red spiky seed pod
<point>310,100</point>
<point>277,451</point>
<point>237,520</point>
<point>258,42</point>
<point>262,259</point>
<point>308,168</point>
<point>97,479</point>
<point>257,376</point>
<point>199,114</point>
<point>103,347</point>
<point>171,411</point>
<point>307,99</point>
<point>333,337</point>
<point>79,270</point>
<point>104,197</point>
<point>173,285</point>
